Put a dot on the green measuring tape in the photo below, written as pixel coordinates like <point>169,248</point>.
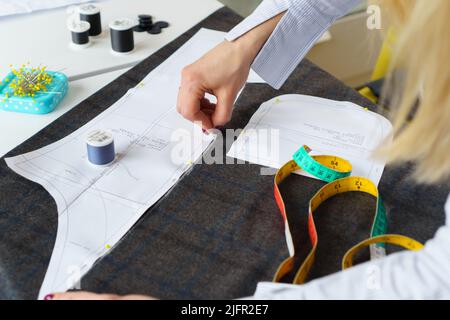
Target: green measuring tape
<point>336,172</point>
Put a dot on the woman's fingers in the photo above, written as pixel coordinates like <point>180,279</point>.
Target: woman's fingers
<point>189,101</point>
<point>220,113</point>
<point>224,109</point>
<point>84,295</point>
<point>136,297</point>
<point>190,109</point>
<point>221,72</point>
<point>81,295</point>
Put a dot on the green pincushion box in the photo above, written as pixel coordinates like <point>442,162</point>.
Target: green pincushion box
<point>41,103</point>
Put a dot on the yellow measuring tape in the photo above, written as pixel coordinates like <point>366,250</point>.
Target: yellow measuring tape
<point>395,239</point>
<point>336,172</point>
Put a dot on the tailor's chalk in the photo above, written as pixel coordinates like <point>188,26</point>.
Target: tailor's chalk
<point>122,39</point>
<point>100,147</point>
<point>145,23</point>
<point>145,20</point>
<point>154,30</point>
<point>162,24</point>
<point>91,13</point>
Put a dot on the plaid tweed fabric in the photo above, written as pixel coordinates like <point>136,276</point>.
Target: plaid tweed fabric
<point>218,231</point>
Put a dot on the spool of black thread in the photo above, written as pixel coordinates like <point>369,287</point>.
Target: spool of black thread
<point>80,33</point>
<point>91,14</point>
<point>122,38</point>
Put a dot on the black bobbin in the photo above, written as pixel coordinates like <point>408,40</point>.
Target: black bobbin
<point>122,39</point>
<point>91,14</point>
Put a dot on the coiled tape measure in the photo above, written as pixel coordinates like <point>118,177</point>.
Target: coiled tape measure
<point>336,173</point>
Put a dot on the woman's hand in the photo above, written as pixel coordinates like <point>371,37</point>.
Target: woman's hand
<point>221,72</point>
<point>84,295</point>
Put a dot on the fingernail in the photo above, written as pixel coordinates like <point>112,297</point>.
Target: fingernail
<point>49,297</point>
<point>205,131</point>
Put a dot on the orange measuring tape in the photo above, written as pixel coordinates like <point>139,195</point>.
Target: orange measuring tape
<point>336,172</point>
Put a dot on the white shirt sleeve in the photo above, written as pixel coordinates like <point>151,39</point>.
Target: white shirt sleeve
<point>406,275</point>
<point>302,25</point>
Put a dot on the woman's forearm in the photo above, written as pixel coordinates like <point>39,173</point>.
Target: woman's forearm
<point>303,23</point>
<point>252,42</point>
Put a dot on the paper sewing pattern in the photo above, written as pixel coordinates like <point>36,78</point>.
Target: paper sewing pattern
<point>329,127</point>
<point>98,205</point>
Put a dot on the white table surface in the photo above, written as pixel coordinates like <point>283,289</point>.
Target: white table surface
<point>43,37</point>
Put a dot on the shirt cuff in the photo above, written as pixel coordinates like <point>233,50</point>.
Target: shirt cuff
<point>299,29</point>
<point>265,11</point>
<point>291,40</point>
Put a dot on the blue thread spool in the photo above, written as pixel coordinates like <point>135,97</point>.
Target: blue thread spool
<point>100,147</point>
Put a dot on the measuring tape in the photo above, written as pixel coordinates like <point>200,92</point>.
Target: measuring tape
<point>336,172</point>
<point>396,239</point>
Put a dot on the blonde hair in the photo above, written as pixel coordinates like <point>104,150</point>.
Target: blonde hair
<point>421,103</point>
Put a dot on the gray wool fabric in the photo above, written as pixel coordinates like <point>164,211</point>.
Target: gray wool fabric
<point>218,232</point>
